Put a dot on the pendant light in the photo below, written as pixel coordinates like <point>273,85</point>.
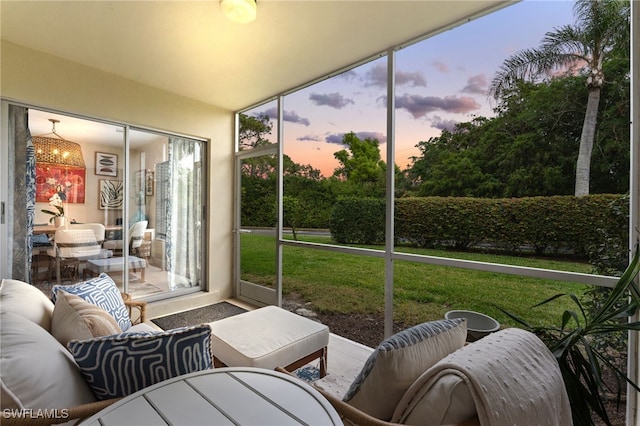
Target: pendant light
<point>57,150</point>
<point>240,11</point>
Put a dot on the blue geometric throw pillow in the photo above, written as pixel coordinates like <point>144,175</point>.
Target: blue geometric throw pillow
<point>119,365</point>
<point>102,292</point>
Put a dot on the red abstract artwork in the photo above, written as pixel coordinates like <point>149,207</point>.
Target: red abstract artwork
<point>52,179</point>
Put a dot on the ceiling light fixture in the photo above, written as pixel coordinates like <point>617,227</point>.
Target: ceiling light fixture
<point>240,11</point>
<point>57,150</point>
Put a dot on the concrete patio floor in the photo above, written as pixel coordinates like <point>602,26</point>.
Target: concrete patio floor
<point>345,360</point>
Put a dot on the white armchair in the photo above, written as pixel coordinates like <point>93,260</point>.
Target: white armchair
<point>136,238</point>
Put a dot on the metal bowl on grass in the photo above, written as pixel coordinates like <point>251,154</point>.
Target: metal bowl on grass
<point>478,325</point>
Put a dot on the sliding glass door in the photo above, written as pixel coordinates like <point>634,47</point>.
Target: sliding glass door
<point>139,195</point>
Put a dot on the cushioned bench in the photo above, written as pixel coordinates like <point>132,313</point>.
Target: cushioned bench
<point>267,338</point>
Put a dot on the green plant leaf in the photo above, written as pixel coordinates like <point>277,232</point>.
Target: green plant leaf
<point>514,317</point>
<point>622,286</point>
<point>544,302</point>
<point>581,363</point>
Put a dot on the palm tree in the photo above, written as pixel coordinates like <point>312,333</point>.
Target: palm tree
<point>602,30</point>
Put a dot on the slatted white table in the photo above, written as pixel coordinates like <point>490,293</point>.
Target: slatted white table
<point>222,396</point>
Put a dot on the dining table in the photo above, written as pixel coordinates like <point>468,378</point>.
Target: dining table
<point>51,229</point>
<point>222,396</point>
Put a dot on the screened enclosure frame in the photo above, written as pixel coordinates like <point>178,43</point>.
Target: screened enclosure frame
<point>389,254</point>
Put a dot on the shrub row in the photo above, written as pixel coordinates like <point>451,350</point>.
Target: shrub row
<point>557,224</point>
<point>358,221</point>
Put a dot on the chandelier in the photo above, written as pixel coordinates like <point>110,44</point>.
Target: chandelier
<point>57,150</point>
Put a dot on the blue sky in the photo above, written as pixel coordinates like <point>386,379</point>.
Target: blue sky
<point>439,82</point>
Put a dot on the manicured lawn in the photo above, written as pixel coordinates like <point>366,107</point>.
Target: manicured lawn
<point>345,283</point>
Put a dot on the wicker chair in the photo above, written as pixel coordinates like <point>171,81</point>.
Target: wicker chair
<point>139,305</point>
<point>353,416</point>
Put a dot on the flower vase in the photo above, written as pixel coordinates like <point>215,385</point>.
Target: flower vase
<point>59,221</point>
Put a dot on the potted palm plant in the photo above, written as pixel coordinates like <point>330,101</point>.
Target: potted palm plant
<point>573,343</point>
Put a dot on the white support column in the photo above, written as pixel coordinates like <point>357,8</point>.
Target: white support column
<point>279,195</point>
<point>390,198</point>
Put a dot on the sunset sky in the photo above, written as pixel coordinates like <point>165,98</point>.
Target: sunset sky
<point>439,82</point>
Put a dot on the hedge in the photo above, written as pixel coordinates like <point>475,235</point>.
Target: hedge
<point>358,221</point>
<point>557,224</point>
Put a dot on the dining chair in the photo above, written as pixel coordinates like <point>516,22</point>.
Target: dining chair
<point>136,238</point>
<point>97,228</point>
<point>99,231</point>
<point>70,247</point>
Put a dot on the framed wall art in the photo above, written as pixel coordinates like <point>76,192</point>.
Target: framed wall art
<point>68,182</point>
<point>111,194</point>
<point>106,164</point>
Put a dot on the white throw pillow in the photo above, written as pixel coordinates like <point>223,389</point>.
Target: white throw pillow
<point>75,318</point>
<point>36,371</point>
<point>399,360</point>
<point>26,300</point>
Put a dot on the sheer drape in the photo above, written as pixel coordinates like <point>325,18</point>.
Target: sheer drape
<point>184,219</point>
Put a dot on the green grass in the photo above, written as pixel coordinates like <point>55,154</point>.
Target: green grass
<point>345,283</point>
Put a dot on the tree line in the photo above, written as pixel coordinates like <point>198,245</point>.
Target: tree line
<point>551,101</point>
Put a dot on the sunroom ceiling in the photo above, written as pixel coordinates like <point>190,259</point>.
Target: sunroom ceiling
<point>190,49</point>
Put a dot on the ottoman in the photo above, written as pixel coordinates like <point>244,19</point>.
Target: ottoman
<point>269,337</point>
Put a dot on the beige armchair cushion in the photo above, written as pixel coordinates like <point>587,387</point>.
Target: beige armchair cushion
<point>75,318</point>
<point>399,361</point>
<point>26,300</point>
<point>493,376</point>
<point>448,401</point>
<point>53,379</point>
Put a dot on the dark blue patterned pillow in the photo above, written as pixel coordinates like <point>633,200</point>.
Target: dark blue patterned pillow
<point>117,366</point>
<point>102,292</point>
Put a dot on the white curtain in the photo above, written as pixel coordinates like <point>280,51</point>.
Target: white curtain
<point>184,213</point>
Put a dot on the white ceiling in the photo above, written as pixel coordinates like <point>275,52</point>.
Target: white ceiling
<point>85,131</point>
<point>190,49</point>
